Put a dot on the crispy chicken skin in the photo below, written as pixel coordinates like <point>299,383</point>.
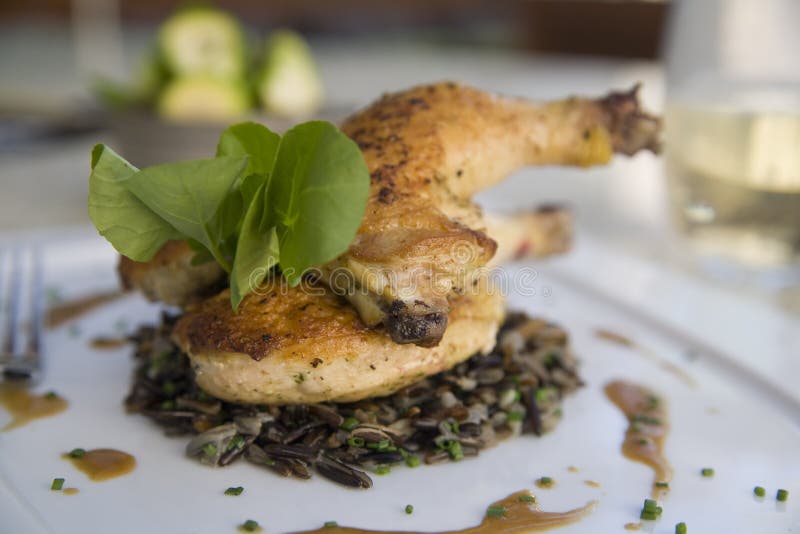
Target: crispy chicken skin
<point>428,150</point>
<point>305,345</point>
<point>170,276</point>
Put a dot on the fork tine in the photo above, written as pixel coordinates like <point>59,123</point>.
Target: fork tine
<point>37,306</point>
<point>12,304</point>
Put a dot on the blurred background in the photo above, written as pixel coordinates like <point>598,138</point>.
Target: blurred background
<point>723,205</point>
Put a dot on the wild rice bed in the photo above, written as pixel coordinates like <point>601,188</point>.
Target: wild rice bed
<point>517,389</point>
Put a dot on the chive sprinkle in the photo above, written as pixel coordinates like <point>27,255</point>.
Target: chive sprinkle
<point>77,453</point>
<point>651,510</point>
<point>514,416</point>
<point>646,419</point>
<point>662,484</point>
<point>496,512</point>
<point>455,451</point>
<point>330,524</point>
<point>209,449</point>
<point>409,509</point>
<point>57,484</point>
<point>680,528</point>
<point>383,470</point>
<point>759,491</point>
<point>546,481</point>
<point>413,461</point>
<point>234,491</point>
<point>51,395</point>
<point>782,495</point>
<point>236,442</point>
<point>355,441</point>
<point>526,498</point>
<point>707,472</point>
<point>350,423</point>
<point>250,525</point>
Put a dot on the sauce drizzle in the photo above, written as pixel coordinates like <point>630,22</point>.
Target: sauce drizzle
<point>647,429</point>
<point>61,313</point>
<point>645,352</point>
<point>519,516</point>
<point>109,343</point>
<point>103,464</point>
<point>24,406</point>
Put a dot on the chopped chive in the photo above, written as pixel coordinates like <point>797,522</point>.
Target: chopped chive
<point>413,461</point>
<point>77,453</point>
<point>542,394</point>
<point>546,481</point>
<point>168,405</point>
<point>409,509</point>
<point>383,470</point>
<point>381,445</point>
<point>526,498</point>
<point>648,516</point>
<point>250,525</point>
<point>168,388</point>
<point>455,451</point>
<point>636,427</point>
<point>782,495</point>
<point>236,442</point>
<point>330,524</point>
<point>350,423</point>
<point>642,441</point>
<point>234,491</point>
<point>514,416</point>
<point>759,491</point>
<point>270,462</point>
<point>662,484</point>
<point>646,419</point>
<point>57,484</point>
<point>650,505</point>
<point>496,512</point>
<point>355,441</point>
<point>51,395</point>
<point>707,472</point>
<point>517,395</point>
<point>652,402</point>
<point>209,449</point>
<point>680,528</point>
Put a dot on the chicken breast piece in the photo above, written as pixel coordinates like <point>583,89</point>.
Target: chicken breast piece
<point>306,344</point>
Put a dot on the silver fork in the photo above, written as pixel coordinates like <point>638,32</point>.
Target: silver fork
<point>20,355</point>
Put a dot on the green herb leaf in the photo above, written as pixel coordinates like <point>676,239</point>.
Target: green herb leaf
<point>188,195</point>
<point>317,196</point>
<point>254,140</point>
<point>125,221</point>
<point>256,251</point>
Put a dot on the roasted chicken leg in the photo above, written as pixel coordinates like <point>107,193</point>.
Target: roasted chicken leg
<point>428,150</point>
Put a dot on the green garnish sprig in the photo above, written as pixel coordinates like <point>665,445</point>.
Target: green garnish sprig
<point>265,200</point>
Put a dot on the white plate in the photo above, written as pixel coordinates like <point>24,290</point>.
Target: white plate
<point>729,422</point>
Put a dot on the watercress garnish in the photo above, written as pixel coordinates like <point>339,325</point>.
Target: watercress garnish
<point>294,200</point>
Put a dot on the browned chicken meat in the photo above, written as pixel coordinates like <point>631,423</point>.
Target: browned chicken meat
<point>307,344</point>
<point>429,149</point>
